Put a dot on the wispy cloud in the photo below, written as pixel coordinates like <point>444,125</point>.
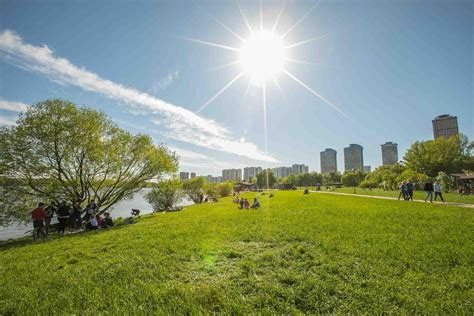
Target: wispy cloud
<point>180,123</point>
<point>13,106</point>
<point>166,81</point>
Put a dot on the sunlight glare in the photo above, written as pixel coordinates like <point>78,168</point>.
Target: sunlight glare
<point>262,56</point>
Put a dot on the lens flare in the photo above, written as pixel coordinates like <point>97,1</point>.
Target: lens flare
<point>262,56</point>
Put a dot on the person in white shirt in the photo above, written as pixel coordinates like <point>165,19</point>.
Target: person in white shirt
<point>437,190</point>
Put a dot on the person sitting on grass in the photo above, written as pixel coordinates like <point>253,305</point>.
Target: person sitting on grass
<point>256,203</point>
<point>92,223</point>
<point>100,221</point>
<point>271,195</point>
<point>306,191</point>
<point>37,215</point>
<point>247,204</point>
<point>108,222</point>
<point>241,203</point>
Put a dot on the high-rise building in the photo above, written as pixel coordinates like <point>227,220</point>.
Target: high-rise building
<point>389,153</point>
<point>184,175</point>
<point>211,179</point>
<point>367,169</point>
<point>328,161</point>
<point>232,174</point>
<point>282,172</point>
<point>251,172</point>
<point>297,169</point>
<point>193,175</point>
<point>354,157</point>
<point>445,126</point>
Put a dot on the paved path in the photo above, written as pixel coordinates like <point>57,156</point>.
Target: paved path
<point>393,198</point>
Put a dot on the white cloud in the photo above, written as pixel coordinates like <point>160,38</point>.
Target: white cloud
<point>13,106</point>
<point>181,124</point>
<point>166,81</point>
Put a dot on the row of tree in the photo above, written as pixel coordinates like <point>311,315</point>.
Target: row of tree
<point>167,194</point>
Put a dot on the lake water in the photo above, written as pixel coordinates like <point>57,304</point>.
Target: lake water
<point>121,209</point>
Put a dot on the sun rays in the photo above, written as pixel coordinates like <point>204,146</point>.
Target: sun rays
<point>262,56</point>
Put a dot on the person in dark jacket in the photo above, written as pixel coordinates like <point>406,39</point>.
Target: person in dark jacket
<point>91,208</point>
<point>428,188</point>
<point>76,221</point>
<point>64,212</point>
<point>410,188</point>
<point>49,213</point>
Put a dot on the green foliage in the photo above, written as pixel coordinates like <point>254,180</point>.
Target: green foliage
<point>266,179</point>
<point>368,184</point>
<point>321,254</point>
<point>165,195</point>
<point>451,155</point>
<point>195,189</point>
<point>352,178</point>
<point>224,189</point>
<point>388,176</point>
<point>447,182</point>
<point>60,152</point>
<point>331,178</point>
<point>303,179</point>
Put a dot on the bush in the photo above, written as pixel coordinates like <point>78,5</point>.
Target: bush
<point>224,189</point>
<point>165,195</point>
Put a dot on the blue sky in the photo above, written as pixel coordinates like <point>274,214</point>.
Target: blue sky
<point>390,66</point>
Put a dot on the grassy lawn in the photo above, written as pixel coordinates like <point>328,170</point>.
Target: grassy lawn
<point>419,195</point>
<point>314,254</point>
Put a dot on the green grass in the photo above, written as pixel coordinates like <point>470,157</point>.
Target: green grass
<point>313,254</point>
<point>418,195</point>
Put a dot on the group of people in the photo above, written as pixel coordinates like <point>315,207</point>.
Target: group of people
<point>245,204</point>
<point>429,188</point>
<point>89,217</point>
<point>407,188</point>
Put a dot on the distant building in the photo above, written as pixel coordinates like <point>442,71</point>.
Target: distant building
<point>367,169</point>
<point>232,174</point>
<point>251,172</point>
<point>282,172</point>
<point>445,126</point>
<point>193,175</point>
<point>212,179</point>
<point>184,175</point>
<point>389,153</point>
<point>354,157</point>
<point>328,161</point>
<point>297,169</point>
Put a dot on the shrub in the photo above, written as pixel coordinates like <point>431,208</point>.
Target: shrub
<point>165,195</point>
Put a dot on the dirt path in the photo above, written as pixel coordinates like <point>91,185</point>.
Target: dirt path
<point>393,198</point>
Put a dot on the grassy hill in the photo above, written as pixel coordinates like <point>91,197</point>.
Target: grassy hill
<point>317,253</point>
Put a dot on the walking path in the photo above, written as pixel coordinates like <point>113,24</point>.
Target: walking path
<point>393,198</point>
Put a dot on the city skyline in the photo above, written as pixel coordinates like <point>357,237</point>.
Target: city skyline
<point>390,84</point>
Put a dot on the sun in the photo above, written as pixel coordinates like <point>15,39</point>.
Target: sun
<point>262,56</point>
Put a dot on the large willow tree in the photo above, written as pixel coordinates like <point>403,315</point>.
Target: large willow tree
<point>58,151</point>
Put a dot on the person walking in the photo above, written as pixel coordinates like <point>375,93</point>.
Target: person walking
<point>64,212</point>
<point>402,191</point>
<point>37,215</point>
<point>437,191</point>
<point>410,188</point>
<point>49,213</point>
<point>428,188</point>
